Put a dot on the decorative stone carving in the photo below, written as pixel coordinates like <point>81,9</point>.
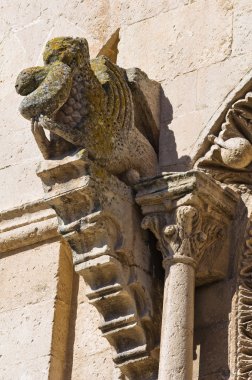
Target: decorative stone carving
<point>185,212</point>
<point>188,213</point>
<point>230,157</point>
<point>88,104</point>
<point>186,240</point>
<point>98,220</point>
<point>110,113</point>
<point>244,311</point>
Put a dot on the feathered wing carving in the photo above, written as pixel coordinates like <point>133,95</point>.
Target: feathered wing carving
<point>119,106</point>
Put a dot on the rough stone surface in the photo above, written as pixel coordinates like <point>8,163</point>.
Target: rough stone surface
<point>168,52</point>
<point>100,224</point>
<point>27,311</point>
<point>88,104</point>
<point>198,50</point>
<point>89,340</point>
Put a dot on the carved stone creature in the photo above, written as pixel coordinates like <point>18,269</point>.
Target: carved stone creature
<point>86,104</point>
<point>230,157</point>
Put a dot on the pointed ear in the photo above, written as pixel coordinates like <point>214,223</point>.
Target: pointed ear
<point>110,49</point>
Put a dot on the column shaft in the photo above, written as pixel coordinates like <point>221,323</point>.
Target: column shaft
<point>176,352</point>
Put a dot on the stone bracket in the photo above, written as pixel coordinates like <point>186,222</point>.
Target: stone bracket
<point>98,219</point>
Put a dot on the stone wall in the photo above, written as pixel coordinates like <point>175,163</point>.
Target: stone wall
<point>198,50</point>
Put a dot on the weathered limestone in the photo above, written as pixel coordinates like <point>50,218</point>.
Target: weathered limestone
<point>114,116</point>
<point>35,300</point>
<point>167,28</point>
<point>176,209</point>
<point>98,220</point>
<point>209,43</point>
<point>177,323</point>
<point>90,105</point>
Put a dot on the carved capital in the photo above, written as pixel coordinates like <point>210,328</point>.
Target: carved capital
<point>190,215</point>
<point>187,240</point>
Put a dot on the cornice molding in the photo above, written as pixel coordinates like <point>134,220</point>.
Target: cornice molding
<point>26,225</point>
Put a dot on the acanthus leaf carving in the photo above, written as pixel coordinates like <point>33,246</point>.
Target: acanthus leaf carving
<point>189,238</point>
<point>189,214</point>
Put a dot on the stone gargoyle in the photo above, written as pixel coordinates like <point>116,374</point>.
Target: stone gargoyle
<point>84,103</point>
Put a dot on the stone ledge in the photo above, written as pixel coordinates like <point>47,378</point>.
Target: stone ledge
<point>28,224</point>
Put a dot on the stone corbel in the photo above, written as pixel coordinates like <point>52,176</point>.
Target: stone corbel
<point>190,215</point>
<point>98,220</point>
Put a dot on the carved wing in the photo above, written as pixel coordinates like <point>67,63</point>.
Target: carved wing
<point>138,82</point>
<point>119,105</point>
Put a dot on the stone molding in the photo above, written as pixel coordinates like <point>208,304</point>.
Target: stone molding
<point>26,225</point>
<point>243,350</point>
<point>189,214</point>
<point>98,220</point>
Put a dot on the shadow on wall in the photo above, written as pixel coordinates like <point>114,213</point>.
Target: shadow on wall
<point>169,161</point>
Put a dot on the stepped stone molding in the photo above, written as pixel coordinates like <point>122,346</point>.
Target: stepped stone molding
<point>26,225</point>
<point>190,215</point>
<point>98,220</point>
<point>229,158</point>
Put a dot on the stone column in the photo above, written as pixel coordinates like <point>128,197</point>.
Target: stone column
<point>190,220</point>
<point>180,243</point>
<point>177,322</point>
